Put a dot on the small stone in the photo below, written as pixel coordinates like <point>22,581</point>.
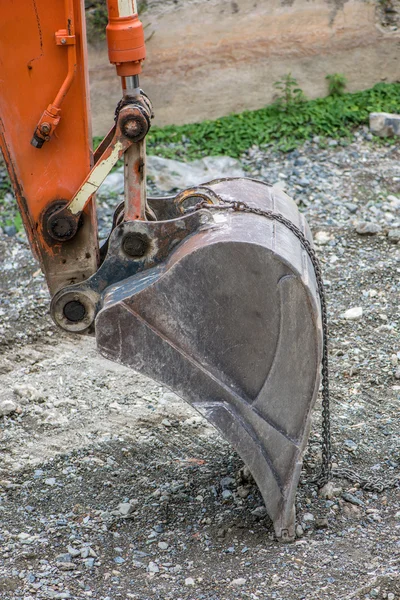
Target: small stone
<point>222,531</point>
<point>308,518</point>
<point>299,531</point>
<point>163,545</point>
<point>321,523</point>
<point>394,236</point>
<point>64,557</point>
<point>10,230</point>
<point>353,314</point>
<point>244,475</point>
<point>238,582</point>
<point>66,566</point>
<point>119,560</point>
<point>125,508</point>
<point>367,228</point>
<point>89,563</point>
<point>152,567</point>
<point>84,552</point>
<point>384,124</point>
<point>176,569</point>
<point>322,238</point>
<point>27,392</point>
<point>74,552</point>
<point>51,481</point>
<point>326,491</point>
<point>189,581</point>
<point>227,482</point>
<point>226,494</point>
<point>352,499</point>
<point>7,407</point>
<point>350,445</point>
<point>243,491</point>
<point>260,512</point>
<point>391,596</point>
<point>351,207</point>
<point>5,366</point>
<point>397,374</point>
<point>329,491</point>
<point>55,418</point>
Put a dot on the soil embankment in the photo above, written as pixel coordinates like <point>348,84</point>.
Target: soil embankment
<point>207,59</point>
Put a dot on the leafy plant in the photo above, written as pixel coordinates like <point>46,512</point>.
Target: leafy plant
<point>336,84</point>
<point>333,116</point>
<point>290,93</point>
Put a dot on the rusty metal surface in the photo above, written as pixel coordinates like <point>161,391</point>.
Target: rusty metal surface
<point>229,319</point>
<point>160,236</point>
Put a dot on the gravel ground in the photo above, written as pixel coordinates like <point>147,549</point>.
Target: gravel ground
<point>112,488</point>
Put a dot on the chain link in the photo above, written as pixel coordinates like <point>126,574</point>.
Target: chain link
<point>326,473</point>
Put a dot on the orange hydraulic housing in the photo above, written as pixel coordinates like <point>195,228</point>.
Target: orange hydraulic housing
<point>125,38</point>
<point>43,86</point>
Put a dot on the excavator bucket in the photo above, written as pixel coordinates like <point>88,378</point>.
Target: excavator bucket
<point>225,312</point>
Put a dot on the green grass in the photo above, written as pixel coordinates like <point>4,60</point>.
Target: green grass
<point>333,116</point>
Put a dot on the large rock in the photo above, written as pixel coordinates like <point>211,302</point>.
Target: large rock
<point>171,175</point>
<point>384,124</point>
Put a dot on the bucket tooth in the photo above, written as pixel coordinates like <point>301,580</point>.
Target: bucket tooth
<point>230,321</point>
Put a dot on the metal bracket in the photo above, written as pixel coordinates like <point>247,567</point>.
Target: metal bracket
<point>131,128</point>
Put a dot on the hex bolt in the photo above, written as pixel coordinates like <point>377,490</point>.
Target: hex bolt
<point>135,245</point>
<point>61,228</point>
<point>132,128</point>
<point>45,128</point>
<point>74,311</point>
<point>135,126</point>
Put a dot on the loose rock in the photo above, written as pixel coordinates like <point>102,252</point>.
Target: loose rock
<point>7,407</point>
<point>366,228</point>
<point>352,314</point>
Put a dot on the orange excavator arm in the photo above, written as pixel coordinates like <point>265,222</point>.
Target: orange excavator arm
<point>45,127</point>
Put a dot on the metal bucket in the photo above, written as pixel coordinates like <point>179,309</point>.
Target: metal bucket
<point>222,308</point>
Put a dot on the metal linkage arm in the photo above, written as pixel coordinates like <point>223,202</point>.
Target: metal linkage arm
<point>132,125</point>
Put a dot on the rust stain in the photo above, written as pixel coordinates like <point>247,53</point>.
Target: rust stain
<point>35,8</point>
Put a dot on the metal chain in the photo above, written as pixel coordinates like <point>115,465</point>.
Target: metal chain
<point>326,468</point>
<point>326,473</point>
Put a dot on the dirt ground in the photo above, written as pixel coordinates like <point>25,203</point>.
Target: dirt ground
<point>89,437</point>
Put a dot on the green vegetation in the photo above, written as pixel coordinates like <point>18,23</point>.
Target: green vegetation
<point>284,127</point>
<point>336,84</point>
<point>290,95</point>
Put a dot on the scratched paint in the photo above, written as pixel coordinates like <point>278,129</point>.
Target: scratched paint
<point>95,179</point>
<point>127,7</point>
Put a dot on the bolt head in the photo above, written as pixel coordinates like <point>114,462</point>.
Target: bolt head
<point>135,245</point>
<point>74,311</point>
<point>45,128</point>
